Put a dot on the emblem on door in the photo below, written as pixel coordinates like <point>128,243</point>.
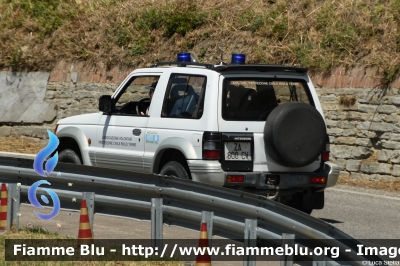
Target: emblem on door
<point>136,132</point>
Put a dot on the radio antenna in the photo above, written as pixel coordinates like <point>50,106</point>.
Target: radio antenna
<point>221,47</point>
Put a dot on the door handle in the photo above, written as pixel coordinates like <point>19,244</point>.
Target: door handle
<point>137,132</point>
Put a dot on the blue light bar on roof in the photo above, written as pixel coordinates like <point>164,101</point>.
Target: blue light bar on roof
<point>238,59</point>
<point>184,57</point>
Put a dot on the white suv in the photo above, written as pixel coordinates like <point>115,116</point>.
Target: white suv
<point>257,128</point>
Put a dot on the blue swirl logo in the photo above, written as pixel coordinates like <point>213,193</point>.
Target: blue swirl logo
<point>32,198</point>
<point>49,166</point>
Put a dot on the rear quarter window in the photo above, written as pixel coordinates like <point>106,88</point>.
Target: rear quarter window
<point>254,99</point>
<point>184,97</point>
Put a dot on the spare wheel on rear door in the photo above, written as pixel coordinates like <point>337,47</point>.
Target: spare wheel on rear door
<point>295,134</point>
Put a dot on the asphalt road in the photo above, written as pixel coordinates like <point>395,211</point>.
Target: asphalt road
<point>362,213</point>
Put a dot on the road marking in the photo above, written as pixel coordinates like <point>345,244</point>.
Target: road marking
<point>364,194</point>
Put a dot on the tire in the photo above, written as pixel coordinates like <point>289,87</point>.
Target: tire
<point>174,169</point>
<point>69,156</point>
<point>295,134</point>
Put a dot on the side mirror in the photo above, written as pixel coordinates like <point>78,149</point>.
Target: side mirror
<point>105,104</point>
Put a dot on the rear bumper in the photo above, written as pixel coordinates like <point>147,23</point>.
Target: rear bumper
<point>278,180</point>
<point>287,180</point>
<point>211,172</point>
<point>333,174</point>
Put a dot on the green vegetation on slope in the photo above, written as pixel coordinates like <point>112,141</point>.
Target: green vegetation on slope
<point>35,34</point>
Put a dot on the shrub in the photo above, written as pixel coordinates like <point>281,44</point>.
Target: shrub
<point>182,18</point>
<point>50,14</point>
<point>150,19</point>
<point>179,17</point>
<point>347,100</point>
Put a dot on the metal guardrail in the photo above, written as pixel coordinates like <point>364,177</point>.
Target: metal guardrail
<point>129,194</point>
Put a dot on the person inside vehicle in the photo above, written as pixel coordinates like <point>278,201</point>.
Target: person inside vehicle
<point>151,88</point>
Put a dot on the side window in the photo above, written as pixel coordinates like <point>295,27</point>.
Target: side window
<point>134,97</point>
<point>184,97</point>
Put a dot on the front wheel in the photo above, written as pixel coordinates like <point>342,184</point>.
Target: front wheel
<point>174,169</point>
<point>69,156</point>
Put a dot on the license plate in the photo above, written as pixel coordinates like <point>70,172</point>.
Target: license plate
<point>237,151</point>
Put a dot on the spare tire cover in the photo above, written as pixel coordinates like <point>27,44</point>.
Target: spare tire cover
<point>295,134</point>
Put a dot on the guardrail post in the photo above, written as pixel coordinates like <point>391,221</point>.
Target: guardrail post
<point>319,260</point>
<point>288,240</point>
<point>89,197</point>
<point>250,239</point>
<point>156,222</point>
<point>208,218</point>
<point>14,195</point>
<point>9,207</point>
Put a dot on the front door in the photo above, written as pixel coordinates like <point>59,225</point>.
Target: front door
<point>121,134</point>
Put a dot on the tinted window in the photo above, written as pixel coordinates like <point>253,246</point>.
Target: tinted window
<point>184,97</point>
<point>254,99</point>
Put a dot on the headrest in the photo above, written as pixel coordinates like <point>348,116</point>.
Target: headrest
<point>177,88</point>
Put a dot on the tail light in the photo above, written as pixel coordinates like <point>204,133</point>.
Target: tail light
<point>211,145</point>
<point>318,180</point>
<point>325,154</point>
<point>235,178</point>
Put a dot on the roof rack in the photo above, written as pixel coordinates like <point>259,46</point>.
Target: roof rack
<point>182,64</point>
<point>260,67</point>
<point>226,68</point>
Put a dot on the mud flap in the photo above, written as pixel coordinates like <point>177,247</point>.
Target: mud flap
<point>314,200</point>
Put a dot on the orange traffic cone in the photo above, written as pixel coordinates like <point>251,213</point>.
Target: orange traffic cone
<point>3,207</point>
<point>203,260</point>
<point>85,232</point>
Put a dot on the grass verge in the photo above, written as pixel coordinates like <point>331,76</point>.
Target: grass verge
<point>19,145</point>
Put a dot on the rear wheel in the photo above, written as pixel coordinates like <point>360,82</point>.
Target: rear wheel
<point>174,169</point>
<point>69,156</point>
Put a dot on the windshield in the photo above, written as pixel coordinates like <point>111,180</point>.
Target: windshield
<point>253,99</point>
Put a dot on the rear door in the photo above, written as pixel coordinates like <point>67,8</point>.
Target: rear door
<point>245,103</point>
